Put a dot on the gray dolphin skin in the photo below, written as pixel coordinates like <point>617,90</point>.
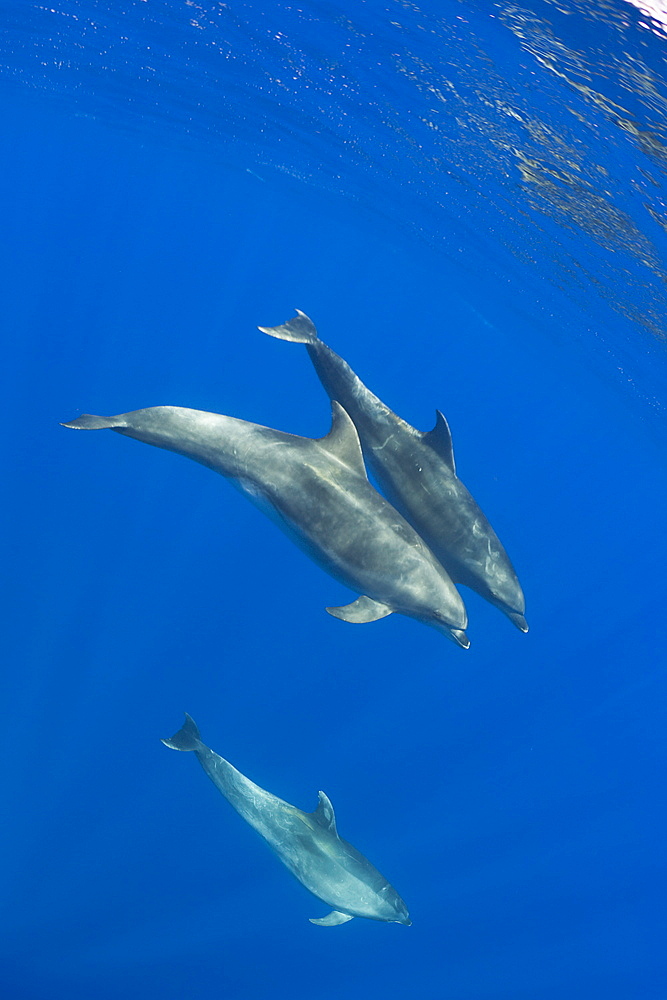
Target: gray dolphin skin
<point>306,843</point>
<point>317,491</point>
<point>417,473</point>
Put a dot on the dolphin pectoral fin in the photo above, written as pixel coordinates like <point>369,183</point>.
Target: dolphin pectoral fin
<point>91,422</point>
<point>440,439</point>
<point>518,620</point>
<point>342,441</point>
<point>300,330</point>
<point>364,609</point>
<point>332,919</point>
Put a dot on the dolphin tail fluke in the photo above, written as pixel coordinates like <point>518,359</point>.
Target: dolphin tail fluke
<point>300,330</point>
<point>332,919</point>
<point>91,422</point>
<point>187,737</point>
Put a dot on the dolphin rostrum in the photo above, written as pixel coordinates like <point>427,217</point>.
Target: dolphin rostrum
<point>417,473</point>
<point>317,491</point>
<point>306,843</point>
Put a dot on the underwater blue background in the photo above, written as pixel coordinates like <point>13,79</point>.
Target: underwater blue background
<point>468,200</point>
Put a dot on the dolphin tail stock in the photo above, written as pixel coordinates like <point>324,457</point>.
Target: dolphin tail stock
<point>300,330</point>
<point>93,422</point>
<point>187,737</point>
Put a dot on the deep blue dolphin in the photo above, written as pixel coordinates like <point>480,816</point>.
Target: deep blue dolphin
<point>308,844</point>
<point>417,473</point>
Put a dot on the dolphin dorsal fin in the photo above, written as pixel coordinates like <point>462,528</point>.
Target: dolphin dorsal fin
<point>324,814</point>
<point>342,441</point>
<point>440,439</point>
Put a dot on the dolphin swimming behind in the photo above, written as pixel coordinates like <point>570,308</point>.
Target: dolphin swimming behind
<point>317,491</point>
<point>417,473</point>
<point>306,843</point>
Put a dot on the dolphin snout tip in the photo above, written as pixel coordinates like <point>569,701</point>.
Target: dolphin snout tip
<point>518,620</point>
<point>460,638</point>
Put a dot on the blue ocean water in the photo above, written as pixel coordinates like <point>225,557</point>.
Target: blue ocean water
<point>469,200</point>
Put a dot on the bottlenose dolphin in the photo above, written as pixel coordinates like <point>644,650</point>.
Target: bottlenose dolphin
<point>306,843</point>
<point>317,491</point>
<point>417,473</point>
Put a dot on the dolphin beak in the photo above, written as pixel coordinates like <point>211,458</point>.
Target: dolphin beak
<point>456,635</point>
<point>460,638</point>
<point>518,620</point>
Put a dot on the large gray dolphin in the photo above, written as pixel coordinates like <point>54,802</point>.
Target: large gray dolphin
<point>416,471</point>
<point>317,491</point>
<point>306,843</point>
